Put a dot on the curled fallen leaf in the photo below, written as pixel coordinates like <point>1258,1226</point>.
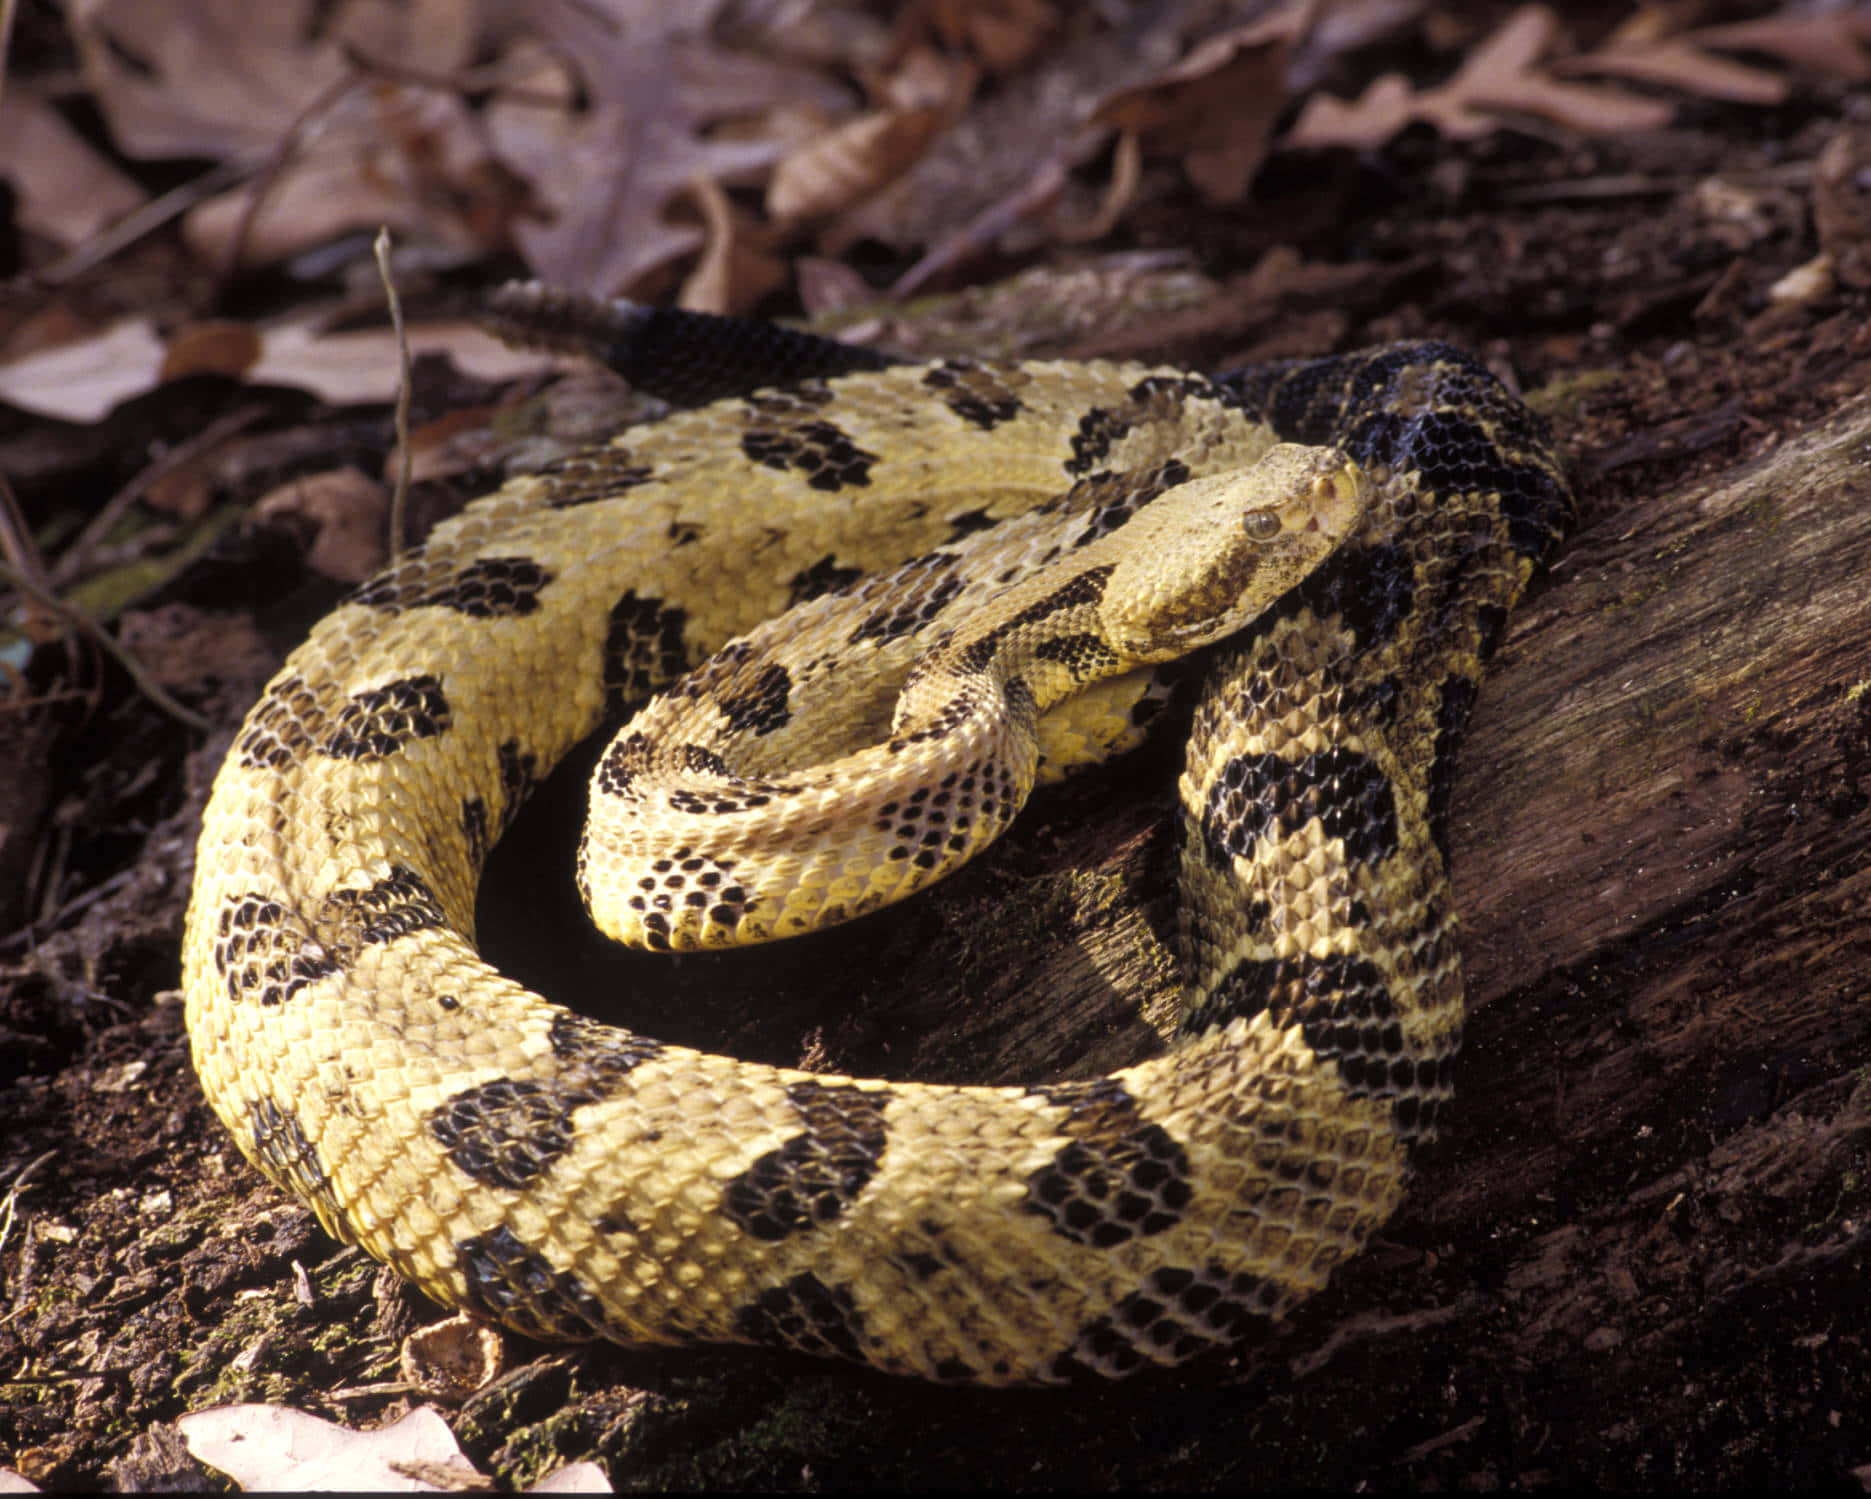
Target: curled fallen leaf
<point>339,515</point>
<point>66,190</point>
<point>1003,34</point>
<point>285,1450</point>
<point>275,1447</point>
<point>451,1359</point>
<point>1215,109</point>
<point>846,164</point>
<point>736,268</point>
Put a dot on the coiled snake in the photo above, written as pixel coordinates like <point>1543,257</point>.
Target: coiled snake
<point>572,1180</point>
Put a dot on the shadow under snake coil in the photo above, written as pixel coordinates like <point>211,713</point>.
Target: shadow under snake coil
<point>574,1181</point>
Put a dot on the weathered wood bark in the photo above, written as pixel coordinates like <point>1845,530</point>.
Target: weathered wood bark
<point>1638,1254</point>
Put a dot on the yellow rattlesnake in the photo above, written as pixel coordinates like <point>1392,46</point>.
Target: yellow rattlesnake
<point>1053,529</point>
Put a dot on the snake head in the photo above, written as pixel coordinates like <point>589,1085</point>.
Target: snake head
<point>1208,555</point>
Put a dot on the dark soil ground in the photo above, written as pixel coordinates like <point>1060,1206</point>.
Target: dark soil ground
<point>147,1271</point>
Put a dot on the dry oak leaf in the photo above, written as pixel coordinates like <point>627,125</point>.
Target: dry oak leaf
<point>66,190</point>
<point>239,82</point>
<point>1830,44</point>
<point>1215,109</point>
<point>845,165</point>
<point>193,652</point>
<point>1002,34</point>
<point>836,169</point>
<point>340,513</point>
<point>658,93</point>
<point>285,1450</point>
<point>1642,50</point>
<point>361,367</point>
<point>224,78</point>
<point>83,380</point>
<point>1497,81</point>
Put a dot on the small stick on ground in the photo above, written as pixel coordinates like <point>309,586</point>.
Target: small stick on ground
<point>381,247</point>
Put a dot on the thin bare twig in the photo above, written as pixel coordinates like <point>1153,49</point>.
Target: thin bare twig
<point>398,495</point>
<point>87,626</point>
<point>16,542</point>
<point>1039,190</point>
<point>471,80</point>
<point>27,935</point>
<point>9,1204</point>
<point>22,552</point>
<point>71,565</point>
<point>283,151</point>
<point>144,219</point>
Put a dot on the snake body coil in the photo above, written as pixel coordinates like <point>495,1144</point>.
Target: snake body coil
<point>572,1180</point>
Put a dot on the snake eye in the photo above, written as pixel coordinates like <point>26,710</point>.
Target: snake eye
<point>1261,525</point>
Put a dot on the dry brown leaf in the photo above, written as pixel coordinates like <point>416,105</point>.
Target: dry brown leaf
<point>1126,174</point>
<point>1677,63</point>
<point>220,346</point>
<point>831,286</point>
<point>340,516</point>
<point>1499,79</point>
<point>1827,43</point>
<point>836,169</point>
<point>1010,136</point>
<point>1003,34</point>
<point>1386,106</point>
<point>230,80</point>
<point>192,652</point>
<point>362,367</point>
<point>225,78</point>
<point>1215,109</point>
<point>658,90</point>
<point>1842,205</point>
<point>81,381</point>
<point>845,165</point>
<point>463,210</point>
<point>735,271</point>
<point>216,78</point>
<point>451,1359</point>
<point>66,191</point>
<point>706,288</point>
